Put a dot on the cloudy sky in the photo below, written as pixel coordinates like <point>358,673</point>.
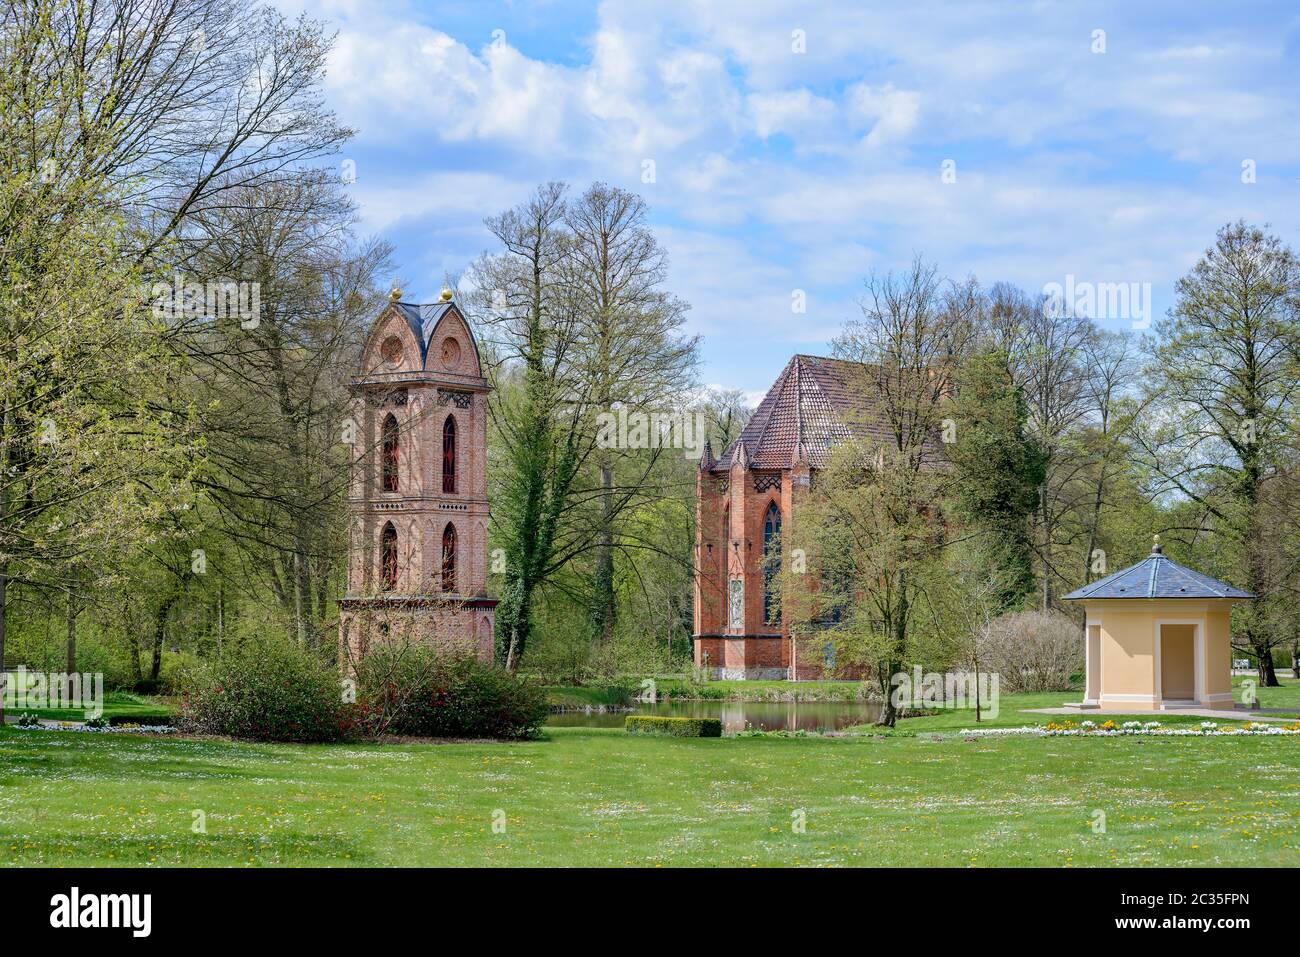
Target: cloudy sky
<point>794,149</point>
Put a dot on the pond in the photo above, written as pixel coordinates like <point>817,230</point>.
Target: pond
<point>735,715</point>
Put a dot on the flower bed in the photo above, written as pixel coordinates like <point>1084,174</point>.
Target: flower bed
<point>1111,729</point>
<point>101,728</point>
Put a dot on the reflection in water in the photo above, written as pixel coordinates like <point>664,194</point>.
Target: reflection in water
<point>736,715</point>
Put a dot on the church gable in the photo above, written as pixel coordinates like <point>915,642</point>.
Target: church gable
<point>392,346</point>
<point>451,346</point>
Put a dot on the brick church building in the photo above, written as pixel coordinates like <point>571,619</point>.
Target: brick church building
<point>744,499</point>
<point>418,509</point>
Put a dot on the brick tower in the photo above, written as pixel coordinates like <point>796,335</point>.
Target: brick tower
<point>417,502</point>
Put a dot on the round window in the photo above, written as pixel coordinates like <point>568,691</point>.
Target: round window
<point>391,350</point>
<point>450,353</point>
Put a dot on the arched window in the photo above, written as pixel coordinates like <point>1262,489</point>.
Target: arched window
<point>388,557</point>
<point>771,564</point>
<point>449,455</point>
<point>391,452</point>
<point>449,558</point>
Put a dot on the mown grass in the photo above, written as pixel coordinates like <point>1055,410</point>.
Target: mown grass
<point>116,704</point>
<point>1017,710</point>
<point>601,797</point>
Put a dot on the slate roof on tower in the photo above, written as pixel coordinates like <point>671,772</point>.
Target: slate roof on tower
<point>423,319</point>
<point>814,403</point>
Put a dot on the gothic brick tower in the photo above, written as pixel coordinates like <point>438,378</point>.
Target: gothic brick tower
<point>418,509</point>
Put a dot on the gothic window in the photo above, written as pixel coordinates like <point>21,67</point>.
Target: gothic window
<point>388,557</point>
<point>391,452</point>
<point>449,558</point>
<point>449,455</point>
<point>771,564</point>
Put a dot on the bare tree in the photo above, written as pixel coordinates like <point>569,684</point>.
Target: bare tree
<point>631,351</point>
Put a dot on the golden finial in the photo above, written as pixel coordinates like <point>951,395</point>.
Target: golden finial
<point>395,294</point>
<point>446,295</point>
<point>1155,544</point>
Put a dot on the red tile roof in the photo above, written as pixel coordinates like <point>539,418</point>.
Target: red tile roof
<point>813,403</point>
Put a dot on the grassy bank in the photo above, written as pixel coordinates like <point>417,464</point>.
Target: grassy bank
<point>686,690</point>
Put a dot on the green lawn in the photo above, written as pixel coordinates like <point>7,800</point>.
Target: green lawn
<point>597,797</point>
<point>1287,696</point>
<point>1014,710</point>
<point>116,703</point>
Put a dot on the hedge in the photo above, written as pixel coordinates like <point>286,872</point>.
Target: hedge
<point>674,727</point>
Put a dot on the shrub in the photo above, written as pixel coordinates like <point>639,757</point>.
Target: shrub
<point>268,690</point>
<point>420,691</point>
<point>1032,651</point>
<point>674,727</point>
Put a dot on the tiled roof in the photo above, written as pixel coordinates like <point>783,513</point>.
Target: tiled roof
<point>814,403</point>
<point>1157,577</point>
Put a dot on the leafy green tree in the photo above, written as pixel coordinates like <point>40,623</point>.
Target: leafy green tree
<point>998,467</point>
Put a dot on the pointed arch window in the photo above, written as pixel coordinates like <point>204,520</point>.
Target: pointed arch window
<point>449,455</point>
<point>771,564</point>
<point>449,558</point>
<point>392,450</point>
<point>388,557</point>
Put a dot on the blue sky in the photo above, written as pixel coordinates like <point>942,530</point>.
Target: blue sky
<point>778,170</point>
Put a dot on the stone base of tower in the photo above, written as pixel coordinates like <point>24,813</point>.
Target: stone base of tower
<point>464,626</point>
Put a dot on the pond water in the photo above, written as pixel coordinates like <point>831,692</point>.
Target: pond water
<point>736,715</point>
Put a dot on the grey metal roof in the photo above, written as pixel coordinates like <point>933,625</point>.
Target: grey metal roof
<point>422,319</point>
<point>1157,577</point>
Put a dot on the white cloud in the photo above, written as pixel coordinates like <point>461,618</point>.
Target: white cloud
<point>891,114</point>
<point>778,170</point>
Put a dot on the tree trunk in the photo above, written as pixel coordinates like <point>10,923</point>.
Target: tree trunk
<point>1267,673</point>
<point>604,609</point>
<point>888,713</point>
<point>4,675</point>
<point>133,645</point>
<point>70,620</point>
<point>159,637</point>
<point>1047,549</point>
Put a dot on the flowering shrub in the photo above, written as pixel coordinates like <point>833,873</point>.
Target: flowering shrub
<point>421,691</point>
<point>269,690</point>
